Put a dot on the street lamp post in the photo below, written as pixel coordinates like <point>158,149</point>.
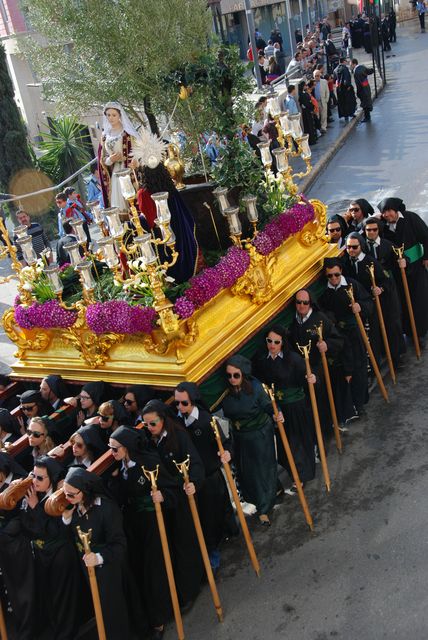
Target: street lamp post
<point>251,32</point>
<point>290,33</point>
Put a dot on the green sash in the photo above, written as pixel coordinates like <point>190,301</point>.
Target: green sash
<point>415,253</point>
<point>292,394</point>
<point>252,424</point>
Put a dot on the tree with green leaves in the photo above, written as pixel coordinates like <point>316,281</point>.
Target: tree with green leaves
<point>95,51</point>
<point>14,154</point>
<point>65,149</point>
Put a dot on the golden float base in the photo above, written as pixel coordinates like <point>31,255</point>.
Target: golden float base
<point>213,333</point>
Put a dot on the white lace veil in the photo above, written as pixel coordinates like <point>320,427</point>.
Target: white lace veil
<point>126,122</point>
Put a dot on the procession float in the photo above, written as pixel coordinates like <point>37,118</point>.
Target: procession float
<point>160,296</point>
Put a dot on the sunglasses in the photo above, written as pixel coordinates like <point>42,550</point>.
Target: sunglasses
<point>354,209</point>
<point>27,407</point>
<point>185,403</point>
<point>334,230</point>
<point>127,401</point>
<point>115,449</point>
<point>39,478</point>
<point>68,494</point>
<point>270,341</point>
<point>36,434</point>
<point>104,418</point>
<point>78,445</point>
<point>333,275</point>
<point>371,230</point>
<point>85,397</point>
<point>352,246</point>
<point>152,423</point>
<point>305,302</point>
<point>233,375</point>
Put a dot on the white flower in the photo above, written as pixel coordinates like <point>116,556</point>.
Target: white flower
<point>117,283</point>
<point>169,279</point>
<point>27,286</point>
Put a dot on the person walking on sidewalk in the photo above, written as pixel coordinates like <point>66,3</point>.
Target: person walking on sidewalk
<point>346,102</point>
<point>364,93</point>
<point>322,95</point>
<point>421,9</point>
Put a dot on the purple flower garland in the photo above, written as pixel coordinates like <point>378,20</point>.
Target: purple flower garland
<point>234,264</point>
<point>117,316</point>
<point>46,315</point>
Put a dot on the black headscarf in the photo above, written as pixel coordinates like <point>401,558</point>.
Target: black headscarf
<point>56,385</point>
<point>281,331</point>
<point>396,204</point>
<point>361,240</point>
<point>194,393</point>
<point>159,407</point>
<point>95,390</point>
<point>90,434</point>
<point>142,394</point>
<point>8,464</point>
<point>8,422</point>
<point>329,263</point>
<point>133,439</point>
<point>86,481</point>
<point>373,220</point>
<point>31,395</point>
<point>241,363</point>
<point>365,207</point>
<point>53,467</point>
<point>341,221</point>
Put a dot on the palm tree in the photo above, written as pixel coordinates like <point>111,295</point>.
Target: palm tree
<point>66,148</point>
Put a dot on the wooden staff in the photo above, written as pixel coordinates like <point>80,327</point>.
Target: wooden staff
<point>329,391</point>
<point>233,489</point>
<point>304,350</point>
<point>85,539</point>
<point>350,292</point>
<point>382,324</point>
<point>290,458</point>
<point>183,468</point>
<point>400,254</point>
<point>152,476</point>
<point>3,630</point>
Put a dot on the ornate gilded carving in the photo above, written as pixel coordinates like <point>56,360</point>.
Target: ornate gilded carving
<point>257,280</point>
<point>315,230</point>
<point>39,342</point>
<point>175,335</point>
<point>93,348</point>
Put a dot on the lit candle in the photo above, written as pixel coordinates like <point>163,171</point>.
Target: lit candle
<point>233,220</point>
<point>26,244</point>
<point>162,209</point>
<point>273,105</point>
<point>126,186</point>
<point>78,230</point>
<point>52,273</point>
<point>85,271</point>
<point>281,159</point>
<point>114,223</point>
<point>265,152</point>
<point>250,204</point>
<point>73,250</point>
<point>220,193</point>
<point>106,246</point>
<point>304,145</point>
<point>295,125</point>
<point>146,248</point>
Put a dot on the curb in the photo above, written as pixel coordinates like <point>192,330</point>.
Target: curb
<point>338,143</point>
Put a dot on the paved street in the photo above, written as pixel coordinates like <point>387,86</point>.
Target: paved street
<point>362,574</point>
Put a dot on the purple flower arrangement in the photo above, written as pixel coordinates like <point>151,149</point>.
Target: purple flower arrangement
<point>46,315</point>
<point>282,227</point>
<point>117,316</point>
<point>211,281</point>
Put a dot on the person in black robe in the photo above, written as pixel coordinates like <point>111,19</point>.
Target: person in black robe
<point>172,442</point>
<point>337,229</point>
<point>277,364</point>
<point>130,449</point>
<point>135,399</point>
<point>377,246</point>
<point>57,569</point>
<point>336,302</point>
<point>392,22</point>
<point>111,415</point>
<point>250,412</point>
<point>88,445</point>
<point>9,428</point>
<point>53,390</point>
<point>10,402</point>
<point>91,508</point>
<point>303,331</point>
<point>16,560</point>
<point>406,228</point>
<point>384,29</point>
<point>361,74</point>
<point>307,113</point>
<point>32,405</point>
<point>346,103</point>
<point>215,509</point>
<point>357,212</point>
<point>91,395</point>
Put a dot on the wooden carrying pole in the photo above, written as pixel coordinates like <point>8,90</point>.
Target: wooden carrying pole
<point>304,350</point>
<point>152,476</point>
<point>329,391</point>
<point>367,344</point>
<point>400,254</point>
<point>290,458</point>
<point>183,468</point>
<point>85,539</point>
<point>382,325</point>
<point>232,485</point>
<point>3,630</point>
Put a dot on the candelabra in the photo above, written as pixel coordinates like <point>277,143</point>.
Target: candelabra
<point>220,193</point>
<point>129,193</point>
<point>98,216</point>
